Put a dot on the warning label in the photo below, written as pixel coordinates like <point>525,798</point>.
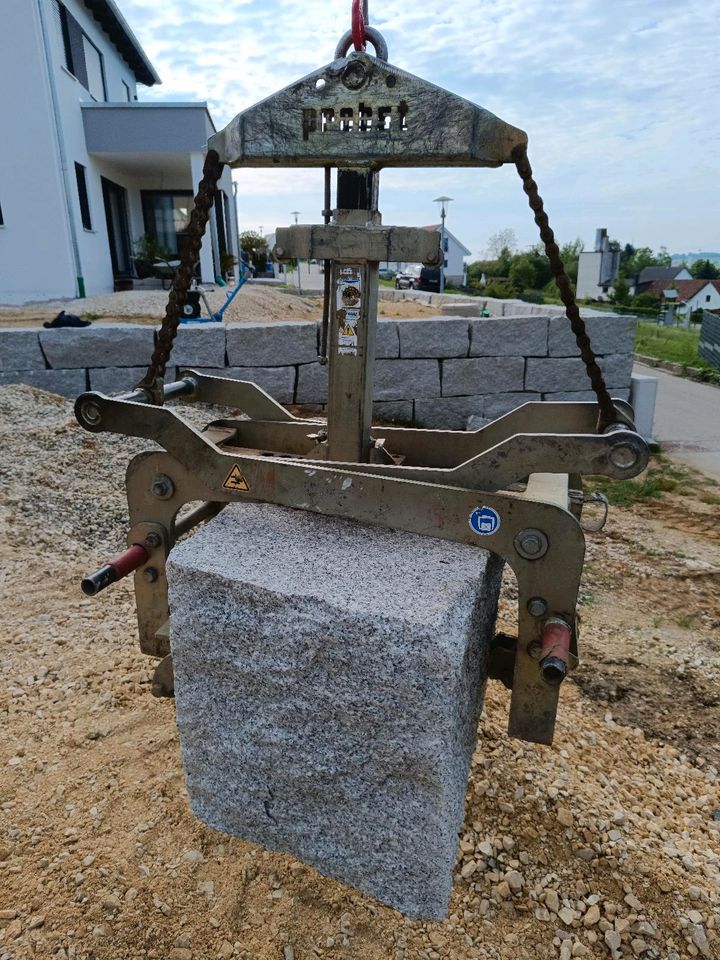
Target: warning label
<point>236,481</point>
<point>348,304</point>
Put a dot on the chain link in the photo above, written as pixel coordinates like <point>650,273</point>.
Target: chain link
<point>152,382</point>
<point>607,413</point>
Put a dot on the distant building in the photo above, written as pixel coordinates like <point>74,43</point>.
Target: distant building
<point>598,269</point>
<point>455,253</point>
<point>649,277</point>
<point>688,295</point>
<point>85,169</point>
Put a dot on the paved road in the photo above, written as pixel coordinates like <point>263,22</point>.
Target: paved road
<point>687,420</point>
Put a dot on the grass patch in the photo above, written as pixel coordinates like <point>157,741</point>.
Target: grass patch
<point>662,476</point>
<point>674,344</point>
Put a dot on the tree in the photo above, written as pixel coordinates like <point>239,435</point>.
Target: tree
<point>523,275</point>
<point>621,292</point>
<point>705,270</point>
<point>500,241</point>
<point>254,245</point>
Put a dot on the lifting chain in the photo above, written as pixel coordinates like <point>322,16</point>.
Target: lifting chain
<point>608,415</point>
<point>152,382</point>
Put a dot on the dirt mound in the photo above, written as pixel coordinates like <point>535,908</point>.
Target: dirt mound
<point>605,845</point>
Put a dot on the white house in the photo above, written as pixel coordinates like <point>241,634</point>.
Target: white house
<point>689,295</point>
<point>597,269</point>
<point>455,253</point>
<point>85,169</point>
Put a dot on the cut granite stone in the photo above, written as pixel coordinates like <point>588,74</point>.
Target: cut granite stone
<point>328,680</point>
<point>20,349</point>
<point>407,379</point>
<point>434,337</point>
<point>447,413</point>
<point>66,383</point>
<point>481,375</point>
<point>199,345</point>
<point>271,344</point>
<point>509,337</point>
<point>279,382</point>
<point>101,345</point>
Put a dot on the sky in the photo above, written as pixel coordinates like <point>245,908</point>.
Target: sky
<point>619,99</point>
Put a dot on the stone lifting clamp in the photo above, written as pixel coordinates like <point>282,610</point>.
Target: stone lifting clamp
<point>504,487</point>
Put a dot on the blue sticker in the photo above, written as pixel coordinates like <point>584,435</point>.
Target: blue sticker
<point>484,520</point>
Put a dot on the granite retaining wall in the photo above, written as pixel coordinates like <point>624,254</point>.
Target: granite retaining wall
<point>433,372</point>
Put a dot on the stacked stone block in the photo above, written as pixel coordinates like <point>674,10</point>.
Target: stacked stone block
<point>433,372</point>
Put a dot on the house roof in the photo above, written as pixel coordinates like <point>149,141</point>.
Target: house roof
<point>686,289</point>
<point>116,27</point>
<point>435,227</point>
<point>650,274</point>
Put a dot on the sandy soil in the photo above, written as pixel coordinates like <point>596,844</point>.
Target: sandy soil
<point>252,304</point>
<point>606,845</point>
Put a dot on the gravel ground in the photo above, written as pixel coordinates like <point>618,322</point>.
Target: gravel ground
<point>253,304</point>
<point>605,845</point>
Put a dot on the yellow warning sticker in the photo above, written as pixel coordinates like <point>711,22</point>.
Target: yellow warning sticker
<point>236,481</point>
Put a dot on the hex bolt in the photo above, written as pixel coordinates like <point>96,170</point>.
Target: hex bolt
<point>623,456</point>
<point>153,540</point>
<point>534,649</point>
<point>149,574</point>
<point>531,543</point>
<point>536,607</point>
<point>162,487</point>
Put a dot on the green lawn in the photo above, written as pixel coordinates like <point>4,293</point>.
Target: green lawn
<point>668,343</point>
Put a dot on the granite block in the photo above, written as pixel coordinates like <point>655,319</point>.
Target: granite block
<point>568,374</point>
<point>312,383</point>
<point>448,413</point>
<point>101,345</point>
<point>608,334</point>
<point>271,344</point>
<point>472,309</point>
<point>116,380</point>
<point>20,349</point>
<point>387,342</point>
<point>393,411</point>
<point>481,375</point>
<point>434,337</point>
<point>279,382</point>
<point>509,337</point>
<point>328,682</point>
<point>498,404</point>
<point>407,379</point>
<point>67,383</point>
<point>199,345</point>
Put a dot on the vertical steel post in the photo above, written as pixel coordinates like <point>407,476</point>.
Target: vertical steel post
<point>353,319</point>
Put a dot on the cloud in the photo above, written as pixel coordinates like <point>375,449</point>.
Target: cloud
<point>618,98</point>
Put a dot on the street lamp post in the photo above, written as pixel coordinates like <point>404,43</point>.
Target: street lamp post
<point>442,201</point>
<point>296,214</point>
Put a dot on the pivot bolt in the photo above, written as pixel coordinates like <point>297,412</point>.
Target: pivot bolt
<point>149,574</point>
<point>623,456</point>
<point>90,413</point>
<point>531,543</point>
<point>537,607</point>
<point>162,487</point>
<point>152,541</point>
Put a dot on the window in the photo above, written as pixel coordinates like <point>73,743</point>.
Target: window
<point>128,95</point>
<point>167,216</point>
<point>2,221</point>
<point>83,196</point>
<point>80,55</point>
<point>707,298</point>
<point>94,69</point>
<point>446,244</point>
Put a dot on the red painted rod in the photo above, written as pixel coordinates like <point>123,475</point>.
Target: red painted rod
<point>117,568</point>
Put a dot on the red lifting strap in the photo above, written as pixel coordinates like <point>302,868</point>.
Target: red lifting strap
<point>358,25</point>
